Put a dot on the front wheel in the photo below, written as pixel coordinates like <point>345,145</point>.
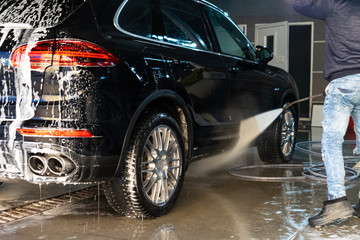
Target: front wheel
<point>277,145</point>
<point>154,169</point>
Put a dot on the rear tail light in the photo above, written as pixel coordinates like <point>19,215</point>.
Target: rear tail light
<point>55,133</point>
<point>39,56</point>
<point>61,53</point>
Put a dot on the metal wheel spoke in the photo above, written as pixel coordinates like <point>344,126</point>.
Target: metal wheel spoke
<point>158,191</point>
<point>286,144</point>
<point>285,141</point>
<point>166,139</point>
<point>287,117</point>
<point>154,192</point>
<point>288,147</point>
<point>172,149</point>
<point>165,189</point>
<point>148,176</point>
<point>150,150</point>
<point>175,165</point>
<point>172,177</point>
<point>174,160</point>
<point>157,140</point>
<point>173,183</point>
<point>150,183</point>
<point>162,139</point>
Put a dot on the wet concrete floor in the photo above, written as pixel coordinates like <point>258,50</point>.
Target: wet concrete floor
<point>215,205</point>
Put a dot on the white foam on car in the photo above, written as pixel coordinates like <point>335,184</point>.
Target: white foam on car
<point>25,106</point>
<point>16,25</point>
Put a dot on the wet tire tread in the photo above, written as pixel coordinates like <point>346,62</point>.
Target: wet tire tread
<point>122,192</point>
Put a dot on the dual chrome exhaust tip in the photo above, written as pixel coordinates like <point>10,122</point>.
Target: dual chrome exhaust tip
<point>51,165</point>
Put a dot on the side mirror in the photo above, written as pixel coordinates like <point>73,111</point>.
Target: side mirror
<point>263,54</point>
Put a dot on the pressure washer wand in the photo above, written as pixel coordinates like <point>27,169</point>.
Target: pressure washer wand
<point>303,99</point>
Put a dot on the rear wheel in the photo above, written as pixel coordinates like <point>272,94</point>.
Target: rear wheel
<point>154,169</point>
<point>277,145</point>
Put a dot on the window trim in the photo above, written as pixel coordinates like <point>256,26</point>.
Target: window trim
<point>212,37</point>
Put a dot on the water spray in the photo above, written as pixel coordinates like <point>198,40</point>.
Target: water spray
<point>250,129</point>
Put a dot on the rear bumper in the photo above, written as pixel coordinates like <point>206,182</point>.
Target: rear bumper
<point>39,163</point>
<point>86,98</point>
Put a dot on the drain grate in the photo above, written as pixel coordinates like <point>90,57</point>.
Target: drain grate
<point>38,207</point>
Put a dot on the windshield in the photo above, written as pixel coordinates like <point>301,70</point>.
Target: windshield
<point>36,13</point>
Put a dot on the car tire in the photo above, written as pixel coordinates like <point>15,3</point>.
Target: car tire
<point>154,169</point>
<point>277,144</point>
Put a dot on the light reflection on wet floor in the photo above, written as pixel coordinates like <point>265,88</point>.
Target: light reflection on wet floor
<point>212,206</point>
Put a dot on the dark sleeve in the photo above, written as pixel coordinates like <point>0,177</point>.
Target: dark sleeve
<point>313,8</point>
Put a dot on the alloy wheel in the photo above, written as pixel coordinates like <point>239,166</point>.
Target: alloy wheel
<point>161,165</point>
<point>287,132</point>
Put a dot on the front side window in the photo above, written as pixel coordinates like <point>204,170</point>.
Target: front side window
<point>231,40</point>
<point>183,24</point>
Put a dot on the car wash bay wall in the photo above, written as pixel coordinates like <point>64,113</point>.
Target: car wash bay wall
<point>251,12</point>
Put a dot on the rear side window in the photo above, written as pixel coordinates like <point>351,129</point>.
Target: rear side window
<point>136,17</point>
<point>184,24</point>
<point>39,13</point>
<point>172,21</point>
<point>230,38</point>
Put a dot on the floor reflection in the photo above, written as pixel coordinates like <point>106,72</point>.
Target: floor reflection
<point>211,206</point>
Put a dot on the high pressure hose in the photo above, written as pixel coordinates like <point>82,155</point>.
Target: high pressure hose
<point>317,172</point>
<point>243,173</point>
<point>314,172</point>
<point>304,99</point>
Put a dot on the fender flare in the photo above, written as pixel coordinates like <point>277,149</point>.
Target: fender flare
<point>137,114</point>
<point>291,92</point>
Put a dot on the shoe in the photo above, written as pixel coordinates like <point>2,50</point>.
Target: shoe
<point>333,210</point>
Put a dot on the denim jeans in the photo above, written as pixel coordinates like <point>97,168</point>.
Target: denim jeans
<point>342,100</point>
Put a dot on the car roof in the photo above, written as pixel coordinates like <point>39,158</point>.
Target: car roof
<point>204,2</point>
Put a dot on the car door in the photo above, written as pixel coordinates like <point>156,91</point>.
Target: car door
<point>251,88</point>
<point>200,74</point>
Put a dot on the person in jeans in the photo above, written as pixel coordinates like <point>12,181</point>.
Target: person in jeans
<point>342,70</point>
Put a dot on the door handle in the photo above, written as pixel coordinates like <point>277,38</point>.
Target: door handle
<point>233,70</point>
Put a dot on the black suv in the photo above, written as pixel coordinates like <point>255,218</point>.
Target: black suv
<point>129,93</point>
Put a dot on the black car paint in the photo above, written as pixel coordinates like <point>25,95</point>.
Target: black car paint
<point>150,74</point>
